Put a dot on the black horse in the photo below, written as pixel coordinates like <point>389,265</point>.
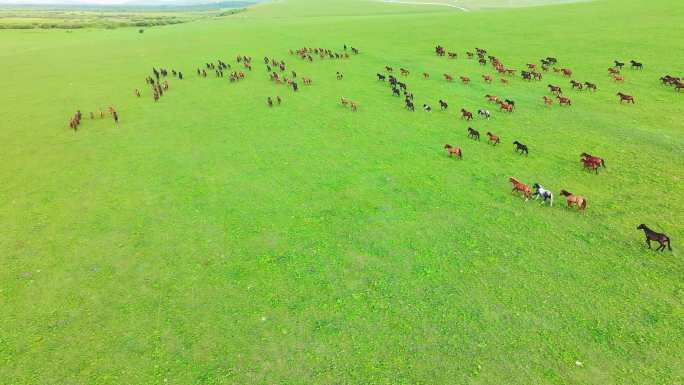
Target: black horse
<point>618,64</point>
<point>651,235</point>
<point>395,91</point>
<point>636,65</point>
<point>590,86</point>
<point>521,148</point>
<point>443,105</point>
<point>409,105</point>
<point>381,77</point>
<point>473,133</point>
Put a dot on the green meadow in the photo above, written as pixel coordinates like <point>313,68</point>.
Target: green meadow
<point>209,239</point>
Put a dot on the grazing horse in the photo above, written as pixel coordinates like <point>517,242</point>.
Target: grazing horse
<point>426,75</point>
<point>467,115</point>
<point>547,100</point>
<point>636,65</point>
<point>625,97</point>
<point>464,79</point>
<point>454,151</point>
<point>493,139</point>
<point>487,78</point>
<point>521,187</point>
<point>651,235</point>
<point>448,78</point>
<point>473,134</point>
<point>484,113</point>
<point>443,105</point>
<point>562,100</point>
<point>521,148</point>
<point>591,86</point>
<point>575,200</point>
<point>545,194</point>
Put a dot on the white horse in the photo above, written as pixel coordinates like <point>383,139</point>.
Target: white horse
<point>545,194</point>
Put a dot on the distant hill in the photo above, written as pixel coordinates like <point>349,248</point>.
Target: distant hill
<point>128,4</point>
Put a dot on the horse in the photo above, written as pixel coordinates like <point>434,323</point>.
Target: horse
<point>547,100</point>
<point>464,79</point>
<point>395,91</point>
<point>137,92</point>
<point>636,65</point>
<point>381,77</point>
<point>511,102</point>
<point>613,71</point>
<point>518,186</point>
<point>591,86</point>
<point>506,106</point>
<point>590,164</point>
<point>618,78</point>
<point>487,78</point>
<point>493,139</point>
<point>618,64</point>
<point>484,113</point>
<point>409,105</point>
<point>427,108</point>
<point>339,76</point>
<point>576,84</point>
<point>625,97</point>
<point>562,100</point>
<point>473,134</point>
<point>454,151</point>
<point>388,69</point>
<point>448,78</point>
<point>678,86</point>
<point>354,106</point>
<point>521,148</point>
<point>543,193</point>
<point>344,101</point>
<point>492,98</point>
<point>566,72</point>
<point>575,200</point>
<point>443,105</point>
<point>651,235</point>
<point>269,101</point>
<point>592,158</point>
<point>404,71</point>
<point>426,75</point>
<point>467,115</point>
<point>453,55</point>
<point>504,81</point>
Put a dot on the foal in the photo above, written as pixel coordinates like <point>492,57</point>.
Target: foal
<point>651,235</point>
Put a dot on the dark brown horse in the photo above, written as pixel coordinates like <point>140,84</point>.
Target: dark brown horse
<point>651,235</point>
<point>625,97</point>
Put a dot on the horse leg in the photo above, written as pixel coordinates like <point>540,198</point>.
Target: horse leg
<point>648,242</point>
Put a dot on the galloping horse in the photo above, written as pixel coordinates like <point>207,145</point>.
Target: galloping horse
<point>454,151</point>
<point>591,158</point>
<point>521,187</point>
<point>651,235</point>
<point>625,97</point>
<point>473,134</point>
<point>493,139</point>
<point>467,115</point>
<point>575,200</point>
<point>545,194</point>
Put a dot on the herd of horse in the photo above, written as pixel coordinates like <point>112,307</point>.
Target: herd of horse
<point>277,73</point>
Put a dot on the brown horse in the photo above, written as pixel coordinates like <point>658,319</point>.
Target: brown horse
<point>521,187</point>
<point>563,101</point>
<point>467,115</point>
<point>404,71</point>
<point>464,79</point>
<point>566,72</point>
<point>591,164</point>
<point>575,200</point>
<point>504,81</point>
<point>354,106</point>
<point>492,98</point>
<point>618,78</point>
<point>506,106</point>
<point>651,235</point>
<point>625,97</point>
<point>592,158</point>
<point>454,151</point>
<point>548,100</point>
<point>493,139</point>
<point>448,78</point>
<point>344,101</point>
<point>487,78</point>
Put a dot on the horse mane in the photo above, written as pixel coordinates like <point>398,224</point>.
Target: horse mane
<point>565,193</point>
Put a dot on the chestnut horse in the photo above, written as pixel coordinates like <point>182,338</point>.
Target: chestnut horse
<point>467,115</point>
<point>493,139</point>
<point>575,200</point>
<point>454,151</point>
<point>521,187</point>
<point>592,158</point>
<point>625,97</point>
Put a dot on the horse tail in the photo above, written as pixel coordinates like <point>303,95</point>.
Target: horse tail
<point>603,163</point>
<point>584,203</point>
<point>668,244</point>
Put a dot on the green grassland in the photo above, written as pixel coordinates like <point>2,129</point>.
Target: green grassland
<point>209,239</point>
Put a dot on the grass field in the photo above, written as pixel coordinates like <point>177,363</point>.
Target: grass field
<point>209,239</point>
